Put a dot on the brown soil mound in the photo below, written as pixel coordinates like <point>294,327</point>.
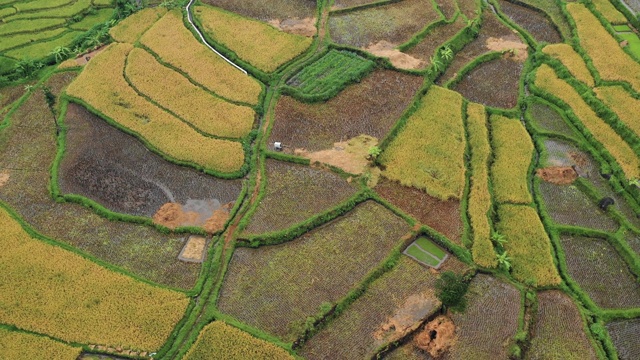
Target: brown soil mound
<point>397,58</point>
<point>559,175</point>
<point>415,309</point>
<point>517,49</point>
<point>171,215</point>
<point>437,337</point>
<point>216,221</point>
<point>304,27</point>
<point>4,177</point>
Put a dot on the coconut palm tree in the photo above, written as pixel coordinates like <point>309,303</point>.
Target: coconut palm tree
<point>504,261</point>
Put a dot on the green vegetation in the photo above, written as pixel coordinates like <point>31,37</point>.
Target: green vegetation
<point>328,75</point>
<point>43,48</point>
<point>424,250</point>
<point>451,289</point>
<point>428,152</point>
<point>513,153</point>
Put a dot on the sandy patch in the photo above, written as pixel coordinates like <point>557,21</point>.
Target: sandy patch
<point>437,337</point>
<point>415,309</point>
<point>350,155</point>
<point>204,214</point>
<point>84,58</point>
<point>397,58</point>
<point>515,49</point>
<point>4,178</point>
<point>194,249</point>
<point>559,175</point>
<point>304,27</point>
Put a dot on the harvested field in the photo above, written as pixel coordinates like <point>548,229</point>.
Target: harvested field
<point>572,60</point>
<point>493,83</point>
<point>176,45</point>
<point>485,329</point>
<point>513,153</point>
<point>391,307</point>
<point>535,22</point>
<point>546,118</point>
<point>547,80</point>
<point>442,216</point>
<point>633,240</point>
<point>20,345</point>
<point>426,48</point>
<point>122,175</point>
<point>601,272</point>
<point>558,332</point>
<point>559,175</point>
<point>295,193</point>
<point>259,44</point>
<point>469,8</point>
<point>275,288</point>
<point>395,23</point>
<point>102,86</point>
<point>131,29</point>
<point>219,341</point>
<point>555,12</point>
<point>192,104</point>
<point>608,57</point>
<point>491,30</point>
<point>67,295</point>
<point>372,106</point>
<point>271,10</point>
<point>342,4</point>
<point>561,202</point>
<point>428,152</point>
<point>622,103</point>
<point>8,95</point>
<point>447,7</point>
<point>624,334</point>
<point>528,245</point>
<point>29,147</point>
<point>479,202</point>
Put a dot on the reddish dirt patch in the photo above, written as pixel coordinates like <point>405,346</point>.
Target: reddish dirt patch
<point>443,216</point>
<point>216,222</point>
<point>437,336</point>
<point>559,175</point>
<point>304,27</point>
<point>173,215</point>
<point>397,58</point>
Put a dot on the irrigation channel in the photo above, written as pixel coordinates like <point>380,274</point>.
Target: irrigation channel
<point>205,301</point>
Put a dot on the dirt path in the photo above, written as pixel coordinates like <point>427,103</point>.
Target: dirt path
<point>205,299</point>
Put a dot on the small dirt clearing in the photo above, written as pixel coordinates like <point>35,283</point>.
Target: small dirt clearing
<point>208,214</point>
<point>437,336</point>
<point>559,175</point>
<point>414,309</point>
<point>398,59</point>
<point>304,27</point>
<point>513,44</point>
<point>350,155</point>
<point>194,249</point>
<point>4,177</point>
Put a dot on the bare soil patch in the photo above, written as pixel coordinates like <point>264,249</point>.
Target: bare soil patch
<point>4,177</point>
<point>398,59</point>
<point>370,107</point>
<point>350,155</point>
<point>514,45</point>
<point>304,27</point>
<point>82,59</point>
<point>559,175</point>
<point>209,215</point>
<point>443,216</point>
<point>437,336</point>
<point>194,249</point>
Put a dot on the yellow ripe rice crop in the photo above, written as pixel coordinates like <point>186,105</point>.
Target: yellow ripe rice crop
<point>609,12</point>
<point>608,58</point>
<point>547,80</point>
<point>49,290</point>
<point>103,86</point>
<point>224,342</point>
<point>528,245</point>
<point>513,151</point>
<point>572,60</point>
<point>176,45</point>
<point>623,104</point>
<point>130,29</point>
<point>174,92</point>
<point>19,345</point>
<point>479,196</point>
<point>258,43</point>
<point>428,153</point>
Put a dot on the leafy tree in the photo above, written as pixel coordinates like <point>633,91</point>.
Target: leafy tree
<point>450,289</point>
<point>51,103</point>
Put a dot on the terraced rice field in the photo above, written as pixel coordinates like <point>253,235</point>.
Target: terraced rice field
<point>295,193</point>
<point>494,83</point>
<point>558,331</point>
<point>547,119</point>
<point>601,272</point>
<point>541,27</point>
<point>276,288</point>
<point>624,335</point>
<point>281,10</point>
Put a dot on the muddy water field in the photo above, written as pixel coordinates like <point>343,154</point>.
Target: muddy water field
<point>124,176</point>
<point>548,119</point>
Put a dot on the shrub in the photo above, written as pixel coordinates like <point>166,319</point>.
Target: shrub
<point>450,289</point>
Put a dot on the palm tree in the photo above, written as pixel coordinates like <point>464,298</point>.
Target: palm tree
<point>504,261</point>
<point>446,53</point>
<point>437,64</point>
